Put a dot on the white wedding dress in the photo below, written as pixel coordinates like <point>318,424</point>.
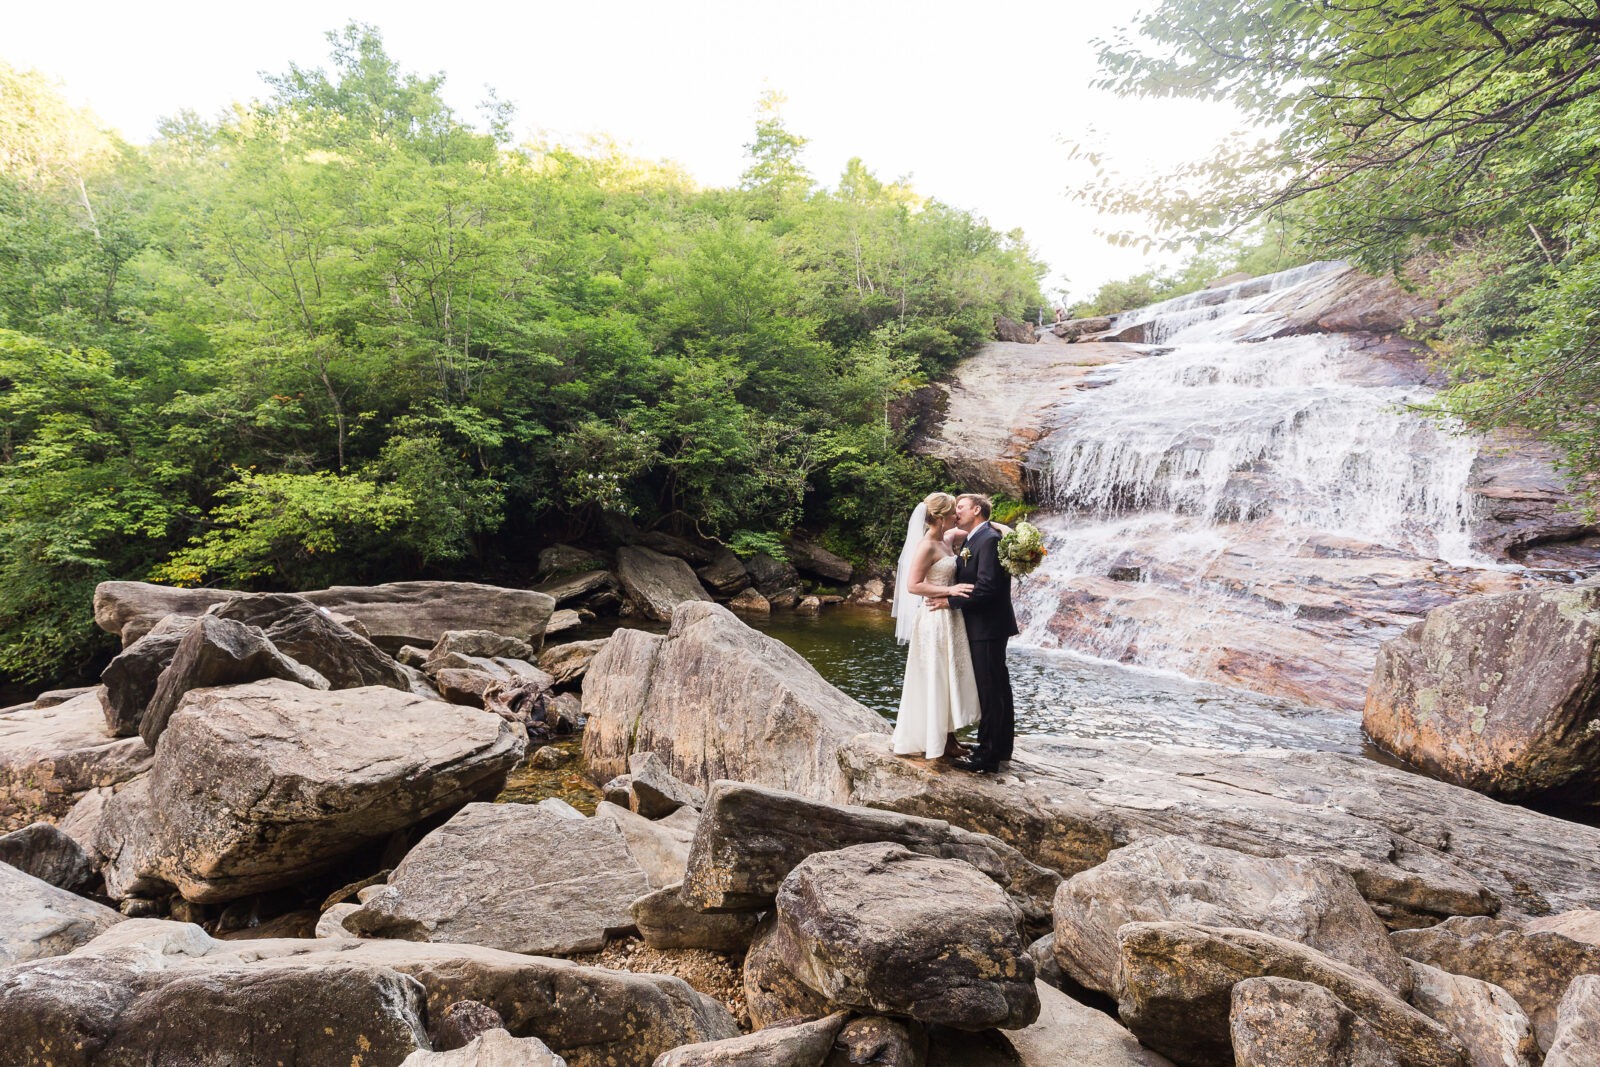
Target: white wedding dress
<point>939,695</point>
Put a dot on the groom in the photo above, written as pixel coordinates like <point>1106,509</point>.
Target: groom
<point>990,623</point>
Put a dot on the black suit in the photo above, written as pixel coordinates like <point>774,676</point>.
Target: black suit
<point>990,623</point>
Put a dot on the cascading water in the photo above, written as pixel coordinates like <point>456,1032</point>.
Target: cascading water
<point>1256,511</point>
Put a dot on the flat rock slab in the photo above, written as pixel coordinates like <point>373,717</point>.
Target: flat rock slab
<point>419,613</point>
<point>1535,968</point>
<point>50,757</point>
<point>1173,878</point>
<point>41,920</point>
<point>661,847</point>
<point>1178,979</point>
<point>494,1048</point>
<point>656,584</point>
<point>799,1044</point>
<point>513,877</point>
<point>881,929</point>
<point>591,1016</point>
<point>715,699</point>
<point>131,609</point>
<point>749,839</point>
<point>1419,849</point>
<point>261,785</point>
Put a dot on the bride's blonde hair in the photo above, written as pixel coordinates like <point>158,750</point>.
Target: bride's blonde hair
<point>939,505</point>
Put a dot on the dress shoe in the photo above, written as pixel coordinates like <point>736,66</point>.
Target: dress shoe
<point>977,766</point>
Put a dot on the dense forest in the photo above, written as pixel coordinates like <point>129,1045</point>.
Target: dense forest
<point>343,335</point>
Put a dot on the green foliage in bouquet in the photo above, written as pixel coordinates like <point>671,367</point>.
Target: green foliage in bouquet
<point>1022,550</point>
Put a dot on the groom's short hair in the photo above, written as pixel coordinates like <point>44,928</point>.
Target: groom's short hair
<point>984,505</point>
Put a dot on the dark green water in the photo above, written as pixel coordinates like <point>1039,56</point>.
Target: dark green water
<point>1064,695</point>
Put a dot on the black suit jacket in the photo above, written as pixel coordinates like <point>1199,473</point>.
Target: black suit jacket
<point>987,610</point>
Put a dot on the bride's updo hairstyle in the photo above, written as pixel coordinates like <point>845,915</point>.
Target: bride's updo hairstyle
<point>939,505</point>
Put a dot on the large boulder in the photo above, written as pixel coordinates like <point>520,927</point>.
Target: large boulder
<point>131,609</point>
<point>1418,849</point>
<point>1066,1032</point>
<point>792,1044</point>
<point>479,643</point>
<point>311,636</point>
<point>1577,1034</point>
<point>47,853</point>
<point>44,920</point>
<point>1173,878</point>
<point>576,587</point>
<point>591,1016</point>
<point>749,839</point>
<point>129,680</point>
<point>263,785</point>
<point>814,559</point>
<point>652,790</point>
<point>656,584</point>
<point>493,1048</point>
<point>771,576</point>
<point>715,699</point>
<point>1014,332</point>
<point>1497,693</point>
<point>660,847</point>
<point>667,921</point>
<point>566,559</point>
<point>1490,1025</point>
<point>50,757</point>
<point>871,927</point>
<point>513,877</point>
<point>724,575</point>
<point>419,613</point>
<point>218,652</point>
<point>1278,1022</point>
<point>1178,979</point>
<point>567,664</point>
<point>1534,968</point>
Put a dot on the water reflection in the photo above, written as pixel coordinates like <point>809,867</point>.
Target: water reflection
<point>1063,694</point>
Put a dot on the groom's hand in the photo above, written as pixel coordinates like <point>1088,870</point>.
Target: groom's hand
<point>938,603</point>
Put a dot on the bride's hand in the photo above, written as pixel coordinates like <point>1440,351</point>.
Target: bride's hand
<point>964,589</point>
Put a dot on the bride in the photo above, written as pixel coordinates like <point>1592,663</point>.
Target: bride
<point>939,696</point>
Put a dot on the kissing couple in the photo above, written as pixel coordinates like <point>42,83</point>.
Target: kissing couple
<point>952,606</point>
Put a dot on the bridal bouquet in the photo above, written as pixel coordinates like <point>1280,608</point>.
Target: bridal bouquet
<point>1022,550</point>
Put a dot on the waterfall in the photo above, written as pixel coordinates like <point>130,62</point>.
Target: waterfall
<point>1255,511</point>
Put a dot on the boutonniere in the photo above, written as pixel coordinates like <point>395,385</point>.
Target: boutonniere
<point>966,554</point>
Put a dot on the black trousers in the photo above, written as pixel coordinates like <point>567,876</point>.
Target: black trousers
<point>997,729</point>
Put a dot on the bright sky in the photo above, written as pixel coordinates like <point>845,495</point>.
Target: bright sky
<point>973,101</point>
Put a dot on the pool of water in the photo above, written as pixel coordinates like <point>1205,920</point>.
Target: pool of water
<point>1062,694</point>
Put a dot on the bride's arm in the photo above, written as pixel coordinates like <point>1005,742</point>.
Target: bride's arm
<point>918,585</point>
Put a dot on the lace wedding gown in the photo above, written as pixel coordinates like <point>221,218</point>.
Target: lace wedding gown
<point>939,695</point>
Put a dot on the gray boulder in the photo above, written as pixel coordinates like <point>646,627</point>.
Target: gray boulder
<point>45,852</point>
<point>513,877</point>
<point>1580,925</point>
<point>1490,1025</point>
<point>129,680</point>
<point>568,663</point>
<point>880,1041</point>
<point>715,699</point>
<point>485,643</point>
<point>771,576</point>
<point>724,575</point>
<point>218,652</point>
<point>1533,967</point>
<point>1279,1022</point>
<point>814,559</point>
<point>572,588</point>
<point>656,584</point>
<point>660,847</point>
<point>1066,1032</point>
<point>666,921</point>
<point>565,559</point>
<point>1497,693</point>
<point>263,785</point>
<point>51,757</point>
<point>652,790</point>
<point>1577,1033</point>
<point>749,839</point>
<point>792,1044</point>
<point>43,920</point>
<point>420,613</point>
<point>130,610</point>
<point>1173,878</point>
<point>872,927</point>
<point>750,602</point>
<point>312,637</point>
<point>493,1048</point>
<point>1178,979</point>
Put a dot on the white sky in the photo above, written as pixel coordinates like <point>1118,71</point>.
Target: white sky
<point>972,100</point>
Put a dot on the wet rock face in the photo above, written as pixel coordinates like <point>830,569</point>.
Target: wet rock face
<point>261,785</point>
<point>878,928</point>
<point>512,877</point>
<point>1534,967</point>
<point>1172,878</point>
<point>1500,694</point>
<point>1178,980</point>
<point>715,699</point>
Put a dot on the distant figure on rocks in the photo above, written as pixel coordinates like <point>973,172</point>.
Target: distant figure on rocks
<point>1061,314</point>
